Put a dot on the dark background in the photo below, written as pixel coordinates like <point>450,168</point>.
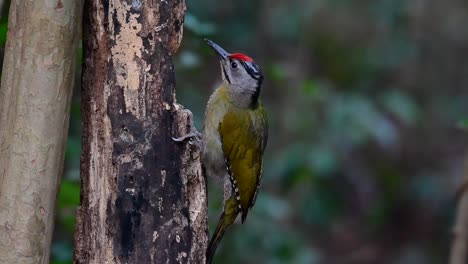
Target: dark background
<point>368,111</point>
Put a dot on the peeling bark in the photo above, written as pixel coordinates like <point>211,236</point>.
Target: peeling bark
<point>143,196</point>
<point>35,94</point>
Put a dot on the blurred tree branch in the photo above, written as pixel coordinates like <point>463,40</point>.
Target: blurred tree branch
<point>460,230</point>
<point>35,95</point>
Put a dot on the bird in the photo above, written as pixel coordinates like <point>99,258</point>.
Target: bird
<point>234,137</point>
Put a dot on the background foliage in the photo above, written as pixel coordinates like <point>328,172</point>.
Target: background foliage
<point>368,114</point>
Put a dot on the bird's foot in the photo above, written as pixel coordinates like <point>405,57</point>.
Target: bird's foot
<point>190,136</point>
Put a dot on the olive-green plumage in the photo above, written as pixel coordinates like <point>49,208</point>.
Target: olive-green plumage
<point>234,138</point>
<point>243,134</point>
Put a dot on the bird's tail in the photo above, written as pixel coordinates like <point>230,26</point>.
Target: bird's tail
<point>227,218</point>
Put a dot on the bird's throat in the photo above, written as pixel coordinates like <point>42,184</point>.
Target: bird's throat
<point>244,98</point>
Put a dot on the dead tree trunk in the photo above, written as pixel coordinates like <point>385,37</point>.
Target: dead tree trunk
<point>143,196</point>
<point>37,81</point>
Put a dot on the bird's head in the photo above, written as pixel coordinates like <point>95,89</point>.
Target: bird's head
<point>239,71</point>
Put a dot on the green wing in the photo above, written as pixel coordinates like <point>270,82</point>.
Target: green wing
<point>243,136</point>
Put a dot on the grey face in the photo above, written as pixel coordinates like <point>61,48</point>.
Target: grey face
<point>243,76</point>
<point>237,70</point>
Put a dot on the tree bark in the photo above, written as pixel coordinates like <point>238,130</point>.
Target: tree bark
<point>35,94</point>
<point>143,196</point>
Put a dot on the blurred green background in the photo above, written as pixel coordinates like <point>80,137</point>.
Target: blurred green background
<point>368,110</point>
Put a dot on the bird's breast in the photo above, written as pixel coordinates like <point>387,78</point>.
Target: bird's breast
<point>212,153</point>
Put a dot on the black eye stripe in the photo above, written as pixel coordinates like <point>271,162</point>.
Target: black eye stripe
<point>253,71</point>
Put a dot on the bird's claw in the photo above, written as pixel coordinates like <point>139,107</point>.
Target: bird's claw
<point>195,134</point>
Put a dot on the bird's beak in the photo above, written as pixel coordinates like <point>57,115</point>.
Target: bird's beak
<point>220,51</point>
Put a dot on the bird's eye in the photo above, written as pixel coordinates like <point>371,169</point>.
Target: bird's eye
<point>233,65</point>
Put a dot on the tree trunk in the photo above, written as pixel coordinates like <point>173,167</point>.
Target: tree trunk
<point>35,96</point>
<point>143,196</point>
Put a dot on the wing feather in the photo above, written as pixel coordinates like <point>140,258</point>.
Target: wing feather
<point>243,138</point>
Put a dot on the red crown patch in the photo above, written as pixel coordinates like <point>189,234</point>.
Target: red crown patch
<point>240,56</point>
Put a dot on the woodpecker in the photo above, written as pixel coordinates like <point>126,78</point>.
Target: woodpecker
<point>234,137</point>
